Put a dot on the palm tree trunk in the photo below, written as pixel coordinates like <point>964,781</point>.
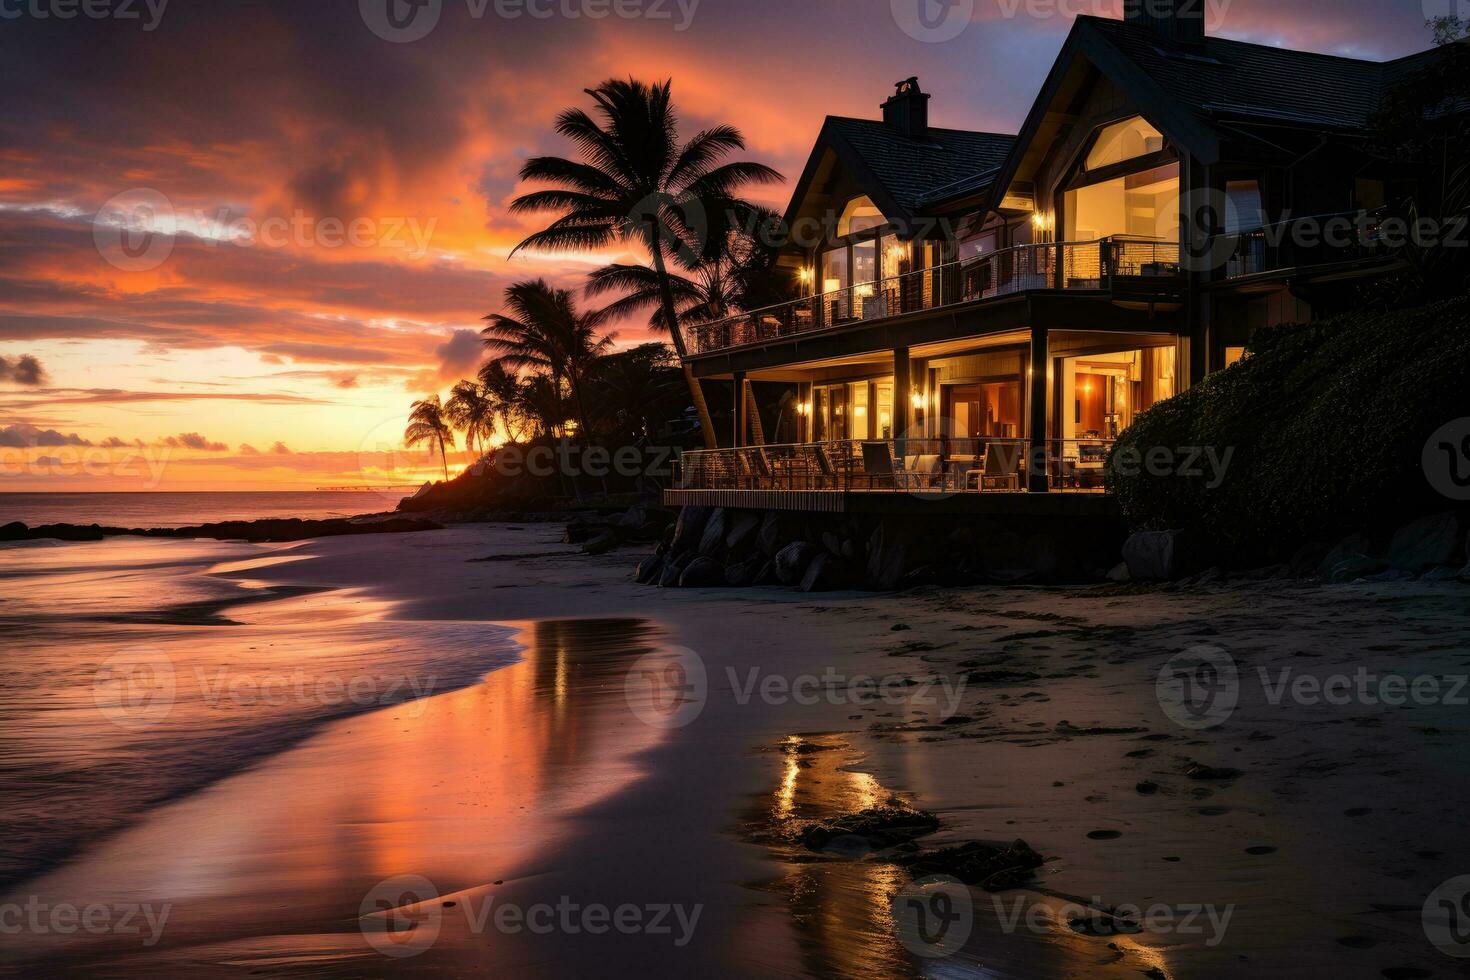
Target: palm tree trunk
<point>696,393</point>
<point>444,458</point>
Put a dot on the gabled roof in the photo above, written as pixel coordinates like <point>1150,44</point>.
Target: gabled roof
<point>1187,89</point>
<point>897,171</point>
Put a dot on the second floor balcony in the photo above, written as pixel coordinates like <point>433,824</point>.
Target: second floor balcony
<point>1093,266</point>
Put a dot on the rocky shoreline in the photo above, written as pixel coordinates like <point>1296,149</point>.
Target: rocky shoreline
<point>271,530</point>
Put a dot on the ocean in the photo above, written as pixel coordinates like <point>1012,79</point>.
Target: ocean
<point>144,669</point>
<point>161,509</point>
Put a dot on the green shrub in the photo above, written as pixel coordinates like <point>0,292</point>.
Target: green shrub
<point>1326,423</point>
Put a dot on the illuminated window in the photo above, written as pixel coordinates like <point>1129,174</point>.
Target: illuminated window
<point>1124,141</point>
<point>860,215</point>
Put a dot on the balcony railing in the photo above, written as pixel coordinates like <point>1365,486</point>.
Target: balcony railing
<point>934,466</point>
<point>1296,243</point>
<point>1054,265</point>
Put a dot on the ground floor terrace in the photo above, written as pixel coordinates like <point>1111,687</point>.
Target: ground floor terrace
<point>1020,414</point>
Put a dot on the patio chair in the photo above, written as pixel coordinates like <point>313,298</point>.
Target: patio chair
<point>922,471</point>
<point>1002,467</point>
<point>826,472</point>
<point>760,466</point>
<point>878,464</point>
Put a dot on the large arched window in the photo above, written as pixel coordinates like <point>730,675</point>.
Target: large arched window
<point>1123,141</point>
<point>860,215</point>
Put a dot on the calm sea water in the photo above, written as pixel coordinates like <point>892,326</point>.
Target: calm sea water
<point>143,669</point>
<point>145,510</point>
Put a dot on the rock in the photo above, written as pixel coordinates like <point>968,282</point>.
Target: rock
<point>791,562</point>
<point>1441,573</point>
<point>1354,568</point>
<point>1352,547</point>
<point>1392,575</point>
<point>1154,556</point>
<point>1119,573</point>
<point>888,557</point>
<point>577,532</point>
<point>669,577</point>
<point>767,574</point>
<point>702,573</point>
<point>741,538</point>
<point>989,866</point>
<point>833,542</point>
<point>827,573</point>
<point>712,542</point>
<point>14,531</point>
<point>744,573</point>
<point>1435,540</point>
<point>1147,788</point>
<point>879,827</point>
<point>1198,771</point>
<point>777,530</point>
<point>1307,560</point>
<point>688,528</point>
<point>649,569</point>
<point>603,543</point>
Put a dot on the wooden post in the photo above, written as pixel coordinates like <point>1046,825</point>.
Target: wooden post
<point>1036,420</point>
<point>903,412</point>
<point>738,406</point>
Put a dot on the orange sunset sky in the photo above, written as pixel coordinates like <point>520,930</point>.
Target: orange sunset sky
<point>260,354</point>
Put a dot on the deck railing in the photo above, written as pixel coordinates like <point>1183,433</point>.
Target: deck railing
<point>1053,265</point>
<point>1296,242</point>
<point>899,465</point>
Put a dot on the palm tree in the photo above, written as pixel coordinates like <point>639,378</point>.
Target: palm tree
<point>426,423</point>
<point>638,388</point>
<point>470,408</point>
<point>733,273</point>
<point>636,183</point>
<point>504,390</point>
<point>542,329</point>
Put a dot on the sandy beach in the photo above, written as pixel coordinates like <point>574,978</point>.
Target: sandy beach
<point>574,813</point>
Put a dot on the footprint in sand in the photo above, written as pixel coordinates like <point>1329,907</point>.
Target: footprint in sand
<point>1104,834</point>
<point>1261,849</point>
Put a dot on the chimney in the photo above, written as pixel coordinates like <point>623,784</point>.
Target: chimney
<point>1180,21</point>
<point>907,109</point>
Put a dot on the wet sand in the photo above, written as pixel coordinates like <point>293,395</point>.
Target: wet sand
<point>548,782</point>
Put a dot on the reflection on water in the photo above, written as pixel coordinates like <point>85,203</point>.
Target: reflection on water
<point>471,789</point>
<point>129,696</point>
<point>841,905</point>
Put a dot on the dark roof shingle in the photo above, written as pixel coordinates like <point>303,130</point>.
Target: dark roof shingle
<point>1237,78</point>
<point>913,169</point>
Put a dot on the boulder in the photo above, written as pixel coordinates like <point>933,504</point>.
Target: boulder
<point>827,573</point>
<point>1354,546</point>
<point>888,556</point>
<point>1435,540</point>
<point>791,562</point>
<point>767,574</point>
<point>1119,573</point>
<point>1441,573</point>
<point>702,573</point>
<point>776,532</point>
<point>669,577</point>
<point>688,528</point>
<point>712,542</point>
<point>744,573</point>
<point>1154,556</point>
<point>649,569</point>
<point>603,543</point>
<point>833,542</point>
<point>744,528</point>
<point>1355,567</point>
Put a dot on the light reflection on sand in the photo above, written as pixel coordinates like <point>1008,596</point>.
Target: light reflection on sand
<point>269,867</point>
